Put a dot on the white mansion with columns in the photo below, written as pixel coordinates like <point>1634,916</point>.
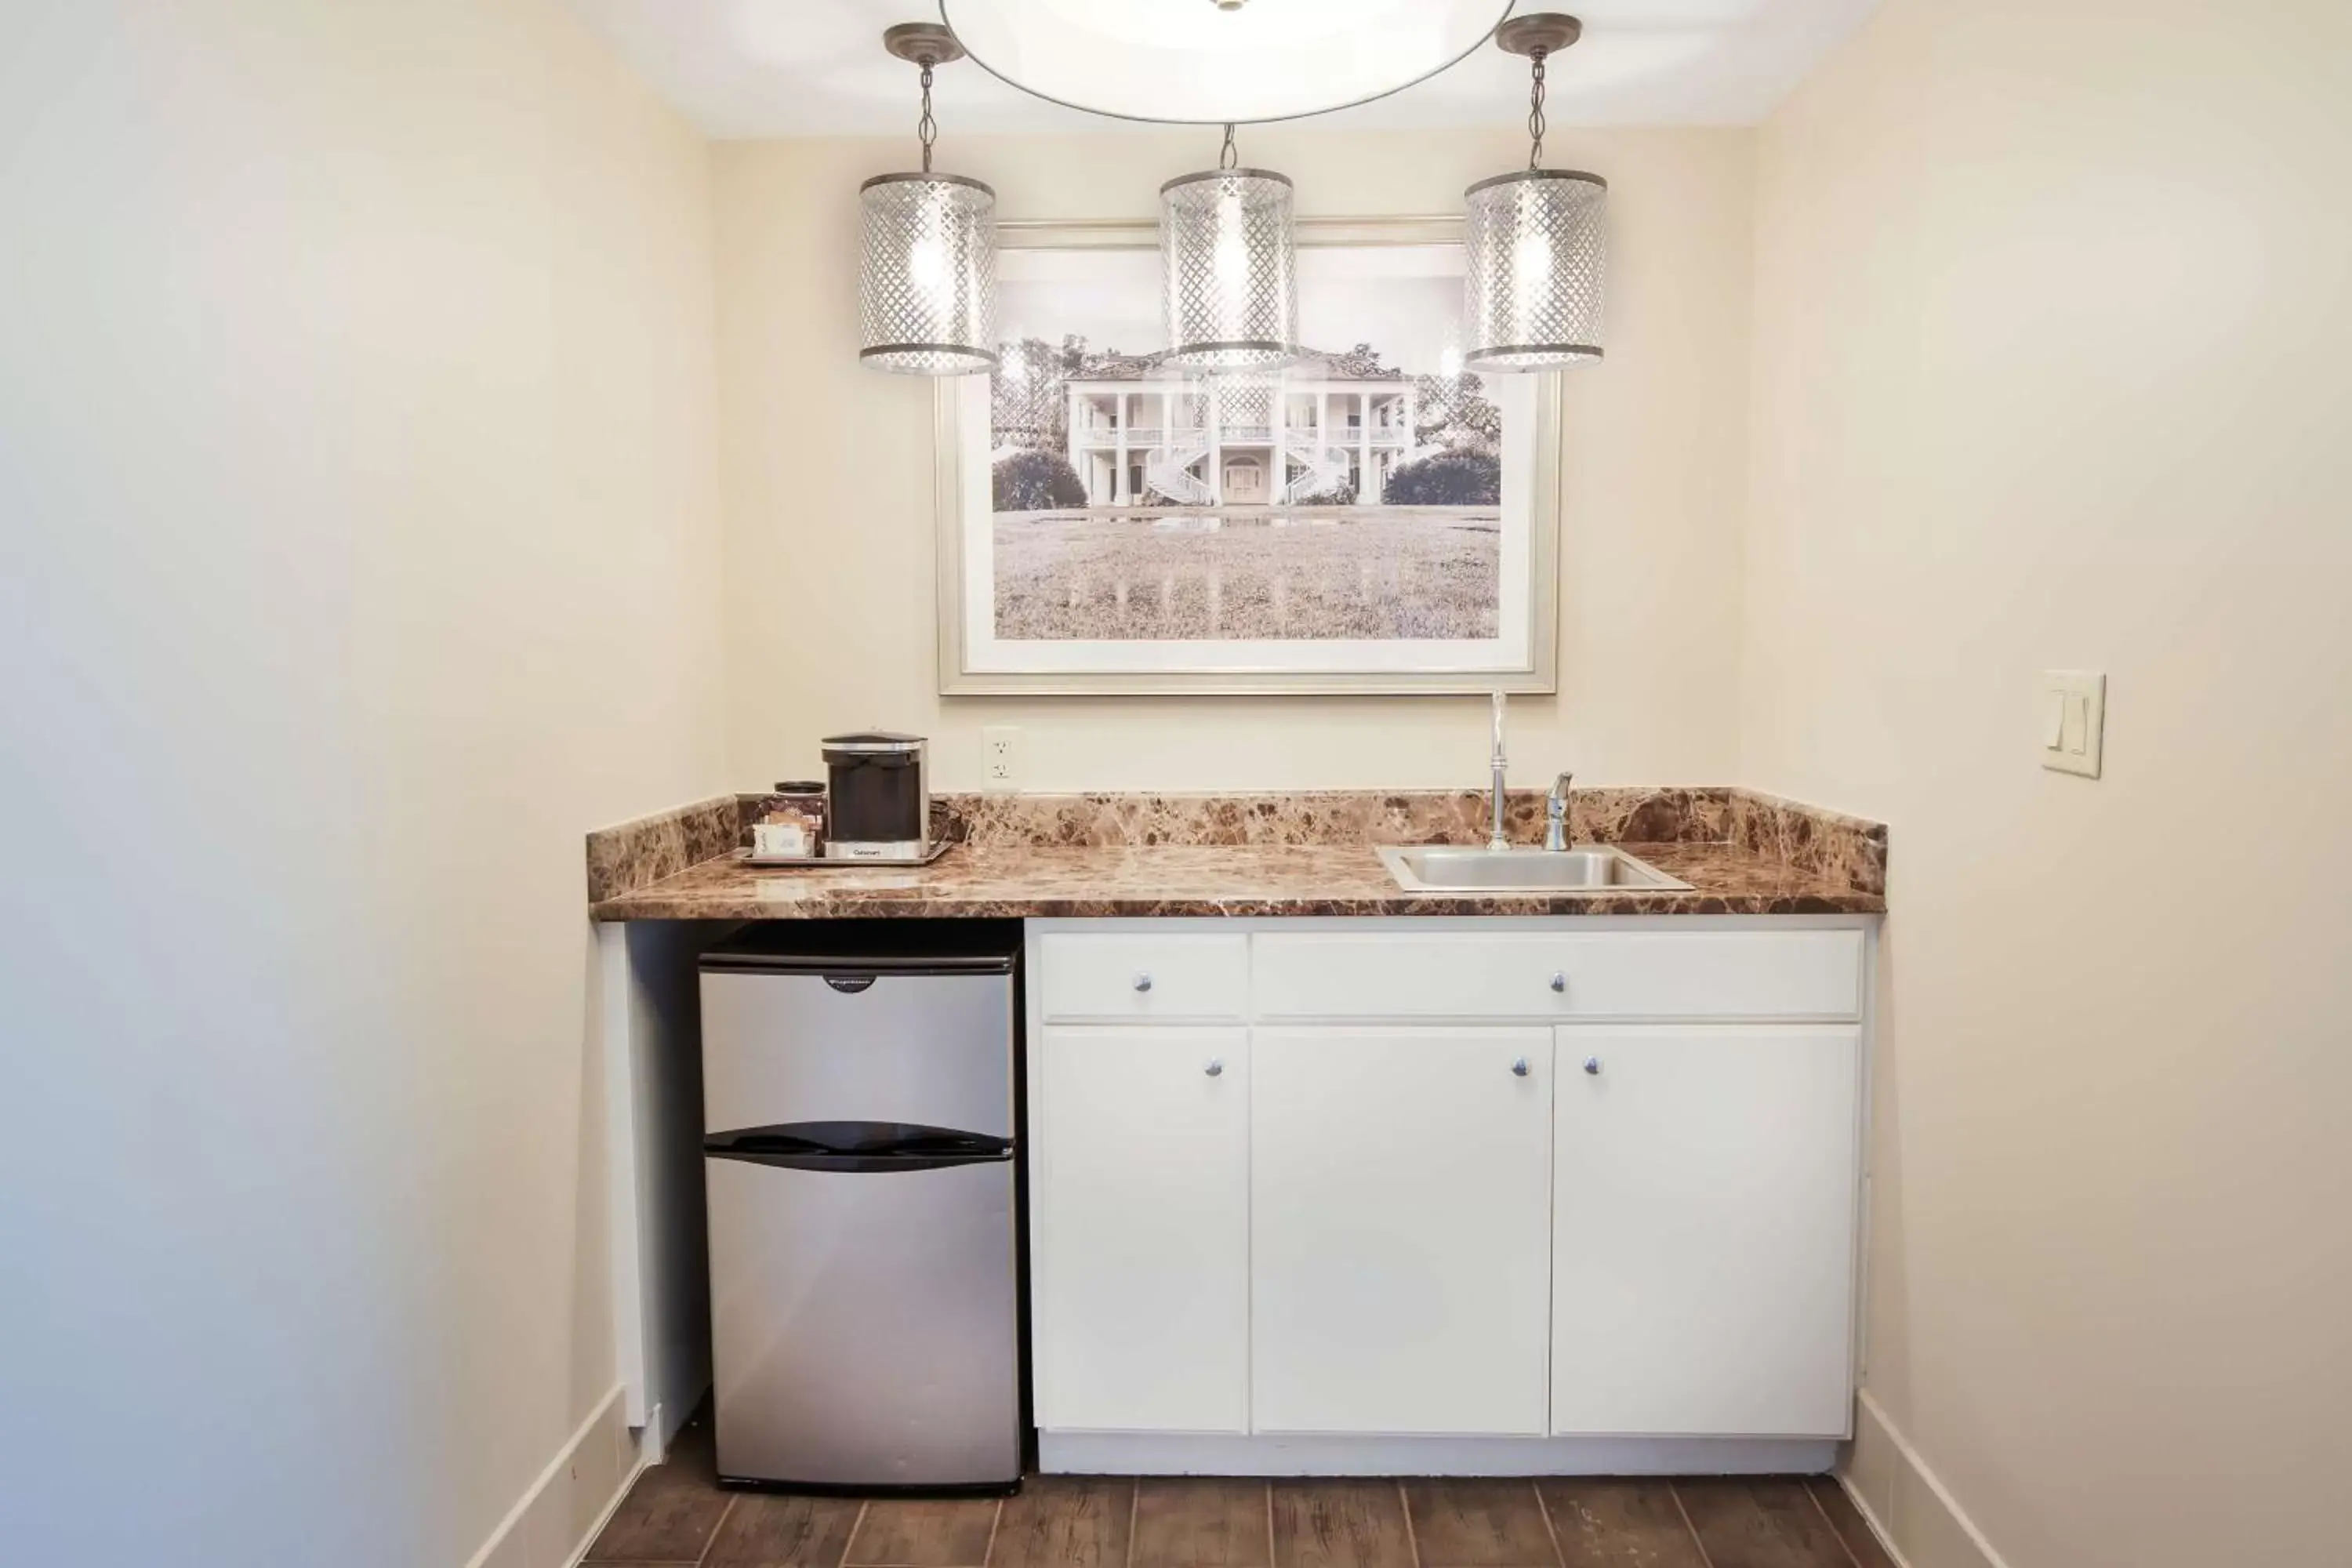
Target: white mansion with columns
<point>1146,433</point>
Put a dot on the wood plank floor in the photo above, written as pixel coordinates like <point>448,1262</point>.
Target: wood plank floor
<point>676,1517</point>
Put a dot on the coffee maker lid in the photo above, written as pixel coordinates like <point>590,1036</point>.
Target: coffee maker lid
<point>873,742</point>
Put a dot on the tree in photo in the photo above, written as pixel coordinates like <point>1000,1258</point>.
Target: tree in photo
<point>1449,479</point>
<point>1029,402</point>
<point>1455,414</point>
<point>1037,481</point>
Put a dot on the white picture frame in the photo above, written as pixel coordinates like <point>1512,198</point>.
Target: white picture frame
<point>1521,655</point>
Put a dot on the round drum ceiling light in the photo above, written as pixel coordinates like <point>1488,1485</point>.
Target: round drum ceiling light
<point>1211,62</point>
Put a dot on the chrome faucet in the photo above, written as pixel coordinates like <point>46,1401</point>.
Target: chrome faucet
<point>1498,839</point>
<point>1557,835</point>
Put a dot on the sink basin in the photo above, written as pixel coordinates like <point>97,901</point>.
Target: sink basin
<point>1461,869</point>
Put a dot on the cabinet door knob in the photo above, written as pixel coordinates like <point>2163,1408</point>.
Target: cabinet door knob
<point>1559,982</point>
<point>1593,1066</point>
<point>1143,982</point>
<point>1216,1068</point>
<point>1519,1067</point>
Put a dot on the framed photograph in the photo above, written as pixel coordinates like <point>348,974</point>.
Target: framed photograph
<point>1370,518</point>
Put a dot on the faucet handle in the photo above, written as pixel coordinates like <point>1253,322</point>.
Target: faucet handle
<point>1555,829</point>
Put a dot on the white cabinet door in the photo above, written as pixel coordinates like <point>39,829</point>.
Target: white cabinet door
<point>1400,1235</point>
<point>1703,1255</point>
<point>1140,1263</point>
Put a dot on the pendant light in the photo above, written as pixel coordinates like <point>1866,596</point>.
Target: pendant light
<point>927,276</point>
<point>1217,62</point>
<point>1227,256</point>
<point>1536,240</point>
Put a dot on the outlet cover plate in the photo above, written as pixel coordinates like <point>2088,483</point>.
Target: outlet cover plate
<point>1000,759</point>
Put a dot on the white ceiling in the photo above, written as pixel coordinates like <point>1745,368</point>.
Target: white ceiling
<point>743,69</point>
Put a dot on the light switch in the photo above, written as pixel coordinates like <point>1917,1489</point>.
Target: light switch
<point>2073,721</point>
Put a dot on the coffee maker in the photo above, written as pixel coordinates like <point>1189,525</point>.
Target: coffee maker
<point>877,797</point>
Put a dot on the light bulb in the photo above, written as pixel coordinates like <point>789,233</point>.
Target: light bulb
<point>1232,256</point>
<point>927,265</point>
<point>1530,282</point>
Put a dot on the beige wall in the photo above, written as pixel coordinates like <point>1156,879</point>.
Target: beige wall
<point>828,472</point>
<point>358,550</point>
<point>2052,325</point>
<point>362,466</point>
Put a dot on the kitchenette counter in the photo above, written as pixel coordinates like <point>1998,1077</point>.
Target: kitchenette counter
<point>1053,881</point>
<point>1077,857</point>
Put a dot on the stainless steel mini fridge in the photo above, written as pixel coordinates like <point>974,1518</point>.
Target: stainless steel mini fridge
<point>858,1119</point>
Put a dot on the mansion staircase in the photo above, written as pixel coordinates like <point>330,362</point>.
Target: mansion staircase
<point>1325,465</point>
<point>1168,469</point>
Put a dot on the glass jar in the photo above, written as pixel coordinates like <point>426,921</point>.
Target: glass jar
<point>790,825</point>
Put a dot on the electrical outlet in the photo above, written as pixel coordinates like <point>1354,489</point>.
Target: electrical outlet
<point>1000,759</point>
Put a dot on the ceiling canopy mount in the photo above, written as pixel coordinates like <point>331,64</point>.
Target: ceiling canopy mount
<point>1545,33</point>
<point>922,43</point>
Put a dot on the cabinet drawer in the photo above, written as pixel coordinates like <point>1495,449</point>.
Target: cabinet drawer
<point>1145,975</point>
<point>1561,975</point>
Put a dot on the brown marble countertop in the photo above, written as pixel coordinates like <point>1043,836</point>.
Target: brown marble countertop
<point>1064,881</point>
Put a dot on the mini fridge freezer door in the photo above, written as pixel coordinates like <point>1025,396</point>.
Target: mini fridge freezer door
<point>933,1050</point>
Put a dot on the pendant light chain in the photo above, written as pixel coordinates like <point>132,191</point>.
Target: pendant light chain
<point>1535,110</point>
<point>926,128</point>
<point>1227,158</point>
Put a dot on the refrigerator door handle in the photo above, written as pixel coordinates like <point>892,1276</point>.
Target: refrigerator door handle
<point>869,1146</point>
<point>854,1138</point>
<point>872,1164</point>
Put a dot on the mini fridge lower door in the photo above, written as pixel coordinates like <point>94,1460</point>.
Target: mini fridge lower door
<point>866,1326</point>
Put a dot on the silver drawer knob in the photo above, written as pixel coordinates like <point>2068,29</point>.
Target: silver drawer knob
<point>1519,1067</point>
<point>1593,1066</point>
<point>1143,982</point>
<point>1559,982</point>
<point>1216,1068</point>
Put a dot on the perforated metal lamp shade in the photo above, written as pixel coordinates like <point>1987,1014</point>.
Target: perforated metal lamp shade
<point>1231,283</point>
<point>1537,285</point>
<point>926,276</point>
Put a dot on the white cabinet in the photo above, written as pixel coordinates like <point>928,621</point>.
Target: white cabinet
<point>1399,1228</point>
<point>1401,1234</point>
<point>1140,1258</point>
<point>1703,1201</point>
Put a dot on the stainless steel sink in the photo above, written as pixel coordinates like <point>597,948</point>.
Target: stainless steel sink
<point>1460,868</point>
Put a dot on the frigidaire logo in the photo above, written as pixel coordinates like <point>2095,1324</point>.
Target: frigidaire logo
<point>852,982</point>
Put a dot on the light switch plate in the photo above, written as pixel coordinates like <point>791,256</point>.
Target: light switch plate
<point>1000,759</point>
<point>2072,722</point>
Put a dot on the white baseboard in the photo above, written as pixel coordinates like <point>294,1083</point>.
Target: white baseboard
<point>1163,1454</point>
<point>558,1517</point>
<point>1910,1511</point>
